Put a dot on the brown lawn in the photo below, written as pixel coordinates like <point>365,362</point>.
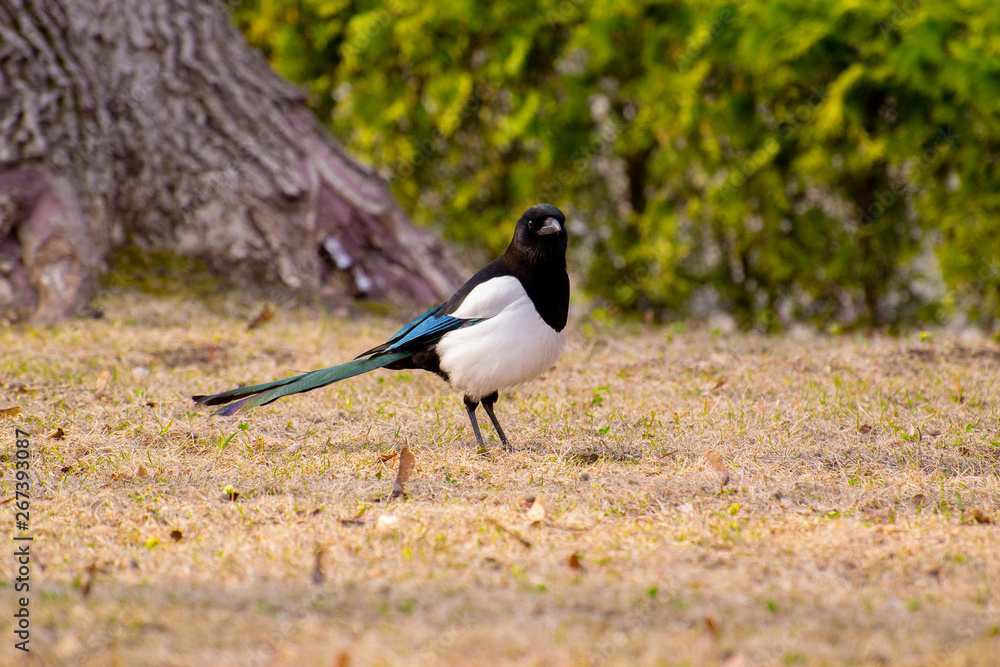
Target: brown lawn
<point>859,524</point>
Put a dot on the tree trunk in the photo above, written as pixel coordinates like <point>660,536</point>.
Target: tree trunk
<point>153,123</point>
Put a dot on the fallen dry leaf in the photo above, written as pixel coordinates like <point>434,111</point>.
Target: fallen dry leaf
<point>351,522</point>
<point>574,562</point>
<point>102,382</point>
<point>407,462</point>
<point>979,516</point>
<point>57,434</point>
<point>536,513</point>
<point>10,412</point>
<point>720,467</point>
<point>265,315</point>
<point>305,512</point>
<point>317,575</point>
<point>711,626</point>
<point>88,579</point>
<point>387,457</point>
<point>176,535</point>
<point>141,471</point>
<point>889,528</point>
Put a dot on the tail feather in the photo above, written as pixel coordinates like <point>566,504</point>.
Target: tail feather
<point>243,398</point>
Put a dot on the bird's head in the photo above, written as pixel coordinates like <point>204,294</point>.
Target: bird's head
<point>541,234</point>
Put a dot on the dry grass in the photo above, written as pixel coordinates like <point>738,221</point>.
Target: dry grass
<point>847,533</point>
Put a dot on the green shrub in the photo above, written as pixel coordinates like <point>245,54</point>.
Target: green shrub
<point>778,159</point>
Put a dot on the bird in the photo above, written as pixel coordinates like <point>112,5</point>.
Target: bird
<point>505,326</point>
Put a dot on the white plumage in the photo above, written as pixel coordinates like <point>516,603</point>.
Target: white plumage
<point>487,299</point>
<point>511,347</point>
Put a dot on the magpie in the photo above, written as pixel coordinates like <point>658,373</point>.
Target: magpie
<point>505,326</point>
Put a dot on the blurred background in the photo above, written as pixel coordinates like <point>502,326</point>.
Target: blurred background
<point>833,163</point>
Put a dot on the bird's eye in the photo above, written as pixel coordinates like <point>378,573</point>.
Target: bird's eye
<point>532,224</point>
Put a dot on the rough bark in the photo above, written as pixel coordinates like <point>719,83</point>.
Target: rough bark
<point>153,123</point>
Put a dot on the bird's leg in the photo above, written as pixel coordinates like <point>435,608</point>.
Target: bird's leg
<point>470,407</point>
<point>488,402</point>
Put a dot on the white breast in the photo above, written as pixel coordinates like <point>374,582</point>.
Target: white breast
<point>512,347</point>
<point>489,298</point>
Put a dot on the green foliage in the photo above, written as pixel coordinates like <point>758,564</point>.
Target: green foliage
<point>779,159</point>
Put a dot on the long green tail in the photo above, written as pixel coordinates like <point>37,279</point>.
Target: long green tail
<point>243,398</point>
